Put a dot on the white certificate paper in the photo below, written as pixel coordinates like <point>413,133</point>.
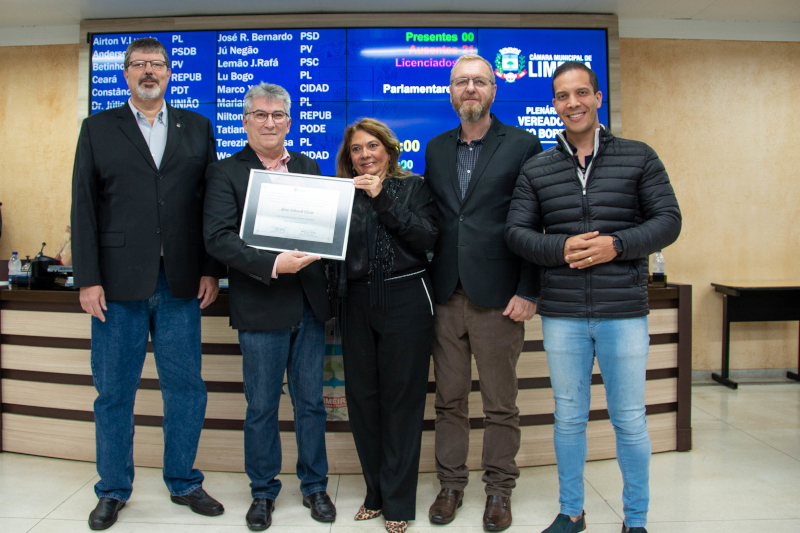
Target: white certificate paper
<point>284,211</point>
<point>294,212</point>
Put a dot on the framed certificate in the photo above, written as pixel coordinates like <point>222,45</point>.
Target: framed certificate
<point>284,212</point>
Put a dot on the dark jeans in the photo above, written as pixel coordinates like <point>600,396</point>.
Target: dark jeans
<point>386,363</point>
<point>300,351</point>
<point>463,328</point>
<point>118,352</point>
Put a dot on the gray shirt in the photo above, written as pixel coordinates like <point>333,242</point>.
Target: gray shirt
<point>156,135</point>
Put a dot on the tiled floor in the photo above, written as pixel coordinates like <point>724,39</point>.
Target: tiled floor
<point>743,476</point>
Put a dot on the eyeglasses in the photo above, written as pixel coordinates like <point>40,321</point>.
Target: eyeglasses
<point>479,83</point>
<point>155,65</point>
<point>261,116</point>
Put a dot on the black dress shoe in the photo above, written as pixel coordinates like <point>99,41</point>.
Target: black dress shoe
<point>200,502</point>
<point>105,514</point>
<point>259,516</point>
<point>322,508</point>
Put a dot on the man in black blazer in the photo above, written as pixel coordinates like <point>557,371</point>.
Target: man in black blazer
<point>483,291</point>
<point>279,303</point>
<point>140,263</point>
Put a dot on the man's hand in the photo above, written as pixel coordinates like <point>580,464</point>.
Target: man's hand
<point>209,288</point>
<point>293,262</point>
<point>519,309</point>
<point>93,301</point>
<point>589,249</point>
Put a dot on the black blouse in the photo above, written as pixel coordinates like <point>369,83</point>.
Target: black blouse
<point>411,218</point>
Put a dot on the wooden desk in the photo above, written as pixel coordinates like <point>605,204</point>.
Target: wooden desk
<point>47,390</point>
<point>760,301</point>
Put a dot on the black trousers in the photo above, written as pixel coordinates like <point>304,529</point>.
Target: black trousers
<point>386,364</point>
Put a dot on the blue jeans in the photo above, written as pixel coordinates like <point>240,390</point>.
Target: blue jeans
<point>300,351</point>
<point>621,346</point>
<point>118,352</point>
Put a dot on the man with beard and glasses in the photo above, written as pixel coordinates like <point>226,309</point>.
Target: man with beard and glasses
<point>483,292</point>
<point>137,240</point>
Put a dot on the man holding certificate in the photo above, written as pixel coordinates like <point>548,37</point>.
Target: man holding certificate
<point>279,304</point>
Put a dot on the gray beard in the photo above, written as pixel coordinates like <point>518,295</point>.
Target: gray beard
<point>146,94</point>
<point>471,115</point>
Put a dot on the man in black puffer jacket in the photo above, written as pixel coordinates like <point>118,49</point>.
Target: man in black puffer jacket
<point>589,212</point>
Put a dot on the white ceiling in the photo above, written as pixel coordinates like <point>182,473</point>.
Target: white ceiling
<point>25,13</point>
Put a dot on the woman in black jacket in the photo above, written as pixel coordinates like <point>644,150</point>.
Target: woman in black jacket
<point>387,317</point>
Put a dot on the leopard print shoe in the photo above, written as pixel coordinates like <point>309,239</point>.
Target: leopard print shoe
<point>365,514</point>
<point>396,527</point>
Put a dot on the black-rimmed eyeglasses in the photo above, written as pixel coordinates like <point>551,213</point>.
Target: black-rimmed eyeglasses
<point>155,65</point>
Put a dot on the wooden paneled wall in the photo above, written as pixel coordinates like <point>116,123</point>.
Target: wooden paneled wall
<point>48,395</point>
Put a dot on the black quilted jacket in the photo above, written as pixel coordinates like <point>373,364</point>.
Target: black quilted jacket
<point>627,195</point>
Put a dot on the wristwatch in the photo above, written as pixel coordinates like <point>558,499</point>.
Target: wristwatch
<point>618,245</point>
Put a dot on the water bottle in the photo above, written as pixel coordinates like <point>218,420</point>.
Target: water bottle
<point>14,268</point>
<point>658,267</point>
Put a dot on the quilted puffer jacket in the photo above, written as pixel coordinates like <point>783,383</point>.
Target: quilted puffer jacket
<point>627,195</point>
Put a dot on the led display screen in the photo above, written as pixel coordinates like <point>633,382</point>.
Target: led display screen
<point>335,76</point>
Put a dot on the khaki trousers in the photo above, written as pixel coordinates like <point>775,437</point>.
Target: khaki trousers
<point>462,328</point>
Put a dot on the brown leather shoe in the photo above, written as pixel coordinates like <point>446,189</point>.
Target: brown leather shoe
<point>497,515</point>
<point>443,510</point>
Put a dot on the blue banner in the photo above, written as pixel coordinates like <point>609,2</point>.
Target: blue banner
<point>397,75</point>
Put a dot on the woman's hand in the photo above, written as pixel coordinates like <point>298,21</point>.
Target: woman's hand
<point>370,184</point>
